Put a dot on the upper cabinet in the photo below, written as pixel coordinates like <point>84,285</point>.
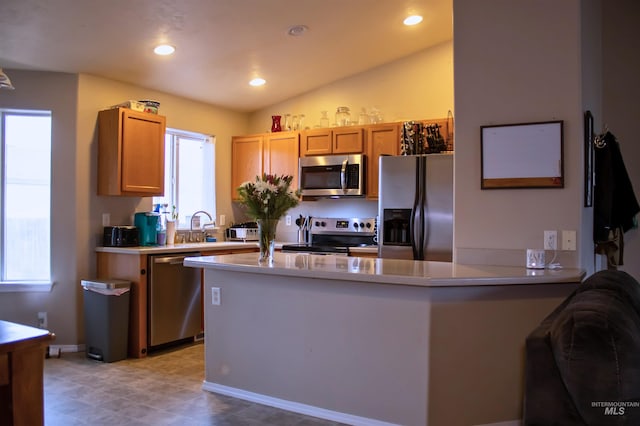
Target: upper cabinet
<point>338,140</point>
<point>281,152</point>
<point>382,139</point>
<point>272,153</point>
<point>130,153</point>
<point>246,160</point>
<point>277,153</point>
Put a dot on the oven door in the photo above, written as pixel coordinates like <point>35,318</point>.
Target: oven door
<point>332,176</point>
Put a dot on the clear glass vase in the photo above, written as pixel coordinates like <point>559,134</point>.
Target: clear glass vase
<point>266,239</point>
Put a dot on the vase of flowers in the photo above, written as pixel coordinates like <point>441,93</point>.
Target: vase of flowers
<point>267,199</point>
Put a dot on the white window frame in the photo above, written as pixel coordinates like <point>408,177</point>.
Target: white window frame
<point>26,285</point>
<point>174,183</point>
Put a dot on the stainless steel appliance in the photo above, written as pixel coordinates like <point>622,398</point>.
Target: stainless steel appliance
<point>247,231</point>
<point>332,175</point>
<point>120,236</point>
<point>174,300</point>
<point>415,207</point>
<point>336,235</point>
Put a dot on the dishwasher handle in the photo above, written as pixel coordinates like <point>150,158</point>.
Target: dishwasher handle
<point>173,260</point>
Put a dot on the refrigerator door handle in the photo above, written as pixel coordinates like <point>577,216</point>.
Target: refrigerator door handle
<point>415,214</point>
<point>343,175</point>
<point>421,202</point>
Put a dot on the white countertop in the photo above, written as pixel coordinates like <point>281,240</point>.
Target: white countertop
<point>385,271</point>
<point>199,247</point>
<point>179,248</point>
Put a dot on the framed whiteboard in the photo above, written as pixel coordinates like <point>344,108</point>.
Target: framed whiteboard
<point>527,155</point>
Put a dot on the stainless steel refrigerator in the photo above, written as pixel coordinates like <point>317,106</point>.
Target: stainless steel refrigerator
<point>415,207</point>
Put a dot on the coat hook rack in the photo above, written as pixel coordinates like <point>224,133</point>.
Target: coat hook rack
<point>599,141</point>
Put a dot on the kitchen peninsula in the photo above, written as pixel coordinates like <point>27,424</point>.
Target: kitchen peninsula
<point>374,341</point>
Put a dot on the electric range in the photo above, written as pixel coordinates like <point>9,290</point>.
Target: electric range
<point>336,235</point>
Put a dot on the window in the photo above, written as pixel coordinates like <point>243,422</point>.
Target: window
<point>189,183</point>
<point>25,197</point>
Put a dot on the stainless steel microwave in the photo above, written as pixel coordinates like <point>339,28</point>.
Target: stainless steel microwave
<point>332,175</point>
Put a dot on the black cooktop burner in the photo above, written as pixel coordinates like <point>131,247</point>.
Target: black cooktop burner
<point>311,248</point>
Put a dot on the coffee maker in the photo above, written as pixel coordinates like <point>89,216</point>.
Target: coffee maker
<point>147,223</point>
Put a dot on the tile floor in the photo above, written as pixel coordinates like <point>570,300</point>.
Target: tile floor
<point>162,389</point>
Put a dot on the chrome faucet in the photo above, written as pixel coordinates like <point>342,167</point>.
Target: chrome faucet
<point>191,224</point>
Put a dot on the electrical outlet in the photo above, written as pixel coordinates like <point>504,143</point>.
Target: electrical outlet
<point>42,320</point>
<point>551,240</point>
<point>215,295</point>
<point>223,220</point>
<point>288,220</point>
<point>569,240</point>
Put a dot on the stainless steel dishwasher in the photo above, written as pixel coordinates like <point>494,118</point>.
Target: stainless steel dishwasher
<point>174,300</point>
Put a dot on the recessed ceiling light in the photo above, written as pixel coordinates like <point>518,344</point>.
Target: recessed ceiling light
<point>257,81</point>
<point>413,20</point>
<point>164,49</point>
<point>297,30</point>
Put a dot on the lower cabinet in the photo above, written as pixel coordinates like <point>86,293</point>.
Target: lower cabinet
<point>135,268</point>
<point>130,267</point>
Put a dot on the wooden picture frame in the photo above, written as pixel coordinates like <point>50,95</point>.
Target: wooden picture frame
<point>523,155</point>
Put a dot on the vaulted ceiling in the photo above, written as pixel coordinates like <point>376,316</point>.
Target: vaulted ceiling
<point>220,44</point>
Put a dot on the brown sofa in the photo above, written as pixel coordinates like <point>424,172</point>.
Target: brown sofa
<point>583,360</point>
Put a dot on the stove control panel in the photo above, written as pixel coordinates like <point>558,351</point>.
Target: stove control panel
<point>343,225</point>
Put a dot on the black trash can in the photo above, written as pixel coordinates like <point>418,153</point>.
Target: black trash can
<point>106,318</point>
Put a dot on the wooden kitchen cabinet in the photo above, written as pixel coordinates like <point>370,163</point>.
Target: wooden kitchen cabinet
<point>281,152</point>
<point>246,160</point>
<point>315,142</point>
<point>132,268</point>
<point>278,152</point>
<point>348,140</point>
<point>130,153</point>
<point>273,153</point>
<point>339,140</point>
<point>382,139</point>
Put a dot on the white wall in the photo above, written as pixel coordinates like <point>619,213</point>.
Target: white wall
<point>56,92</point>
<point>418,86</point>
<point>516,62</point>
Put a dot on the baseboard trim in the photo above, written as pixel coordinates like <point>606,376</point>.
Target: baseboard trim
<point>296,407</point>
<point>56,350</point>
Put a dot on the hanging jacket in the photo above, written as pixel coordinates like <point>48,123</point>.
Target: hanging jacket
<point>615,203</point>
